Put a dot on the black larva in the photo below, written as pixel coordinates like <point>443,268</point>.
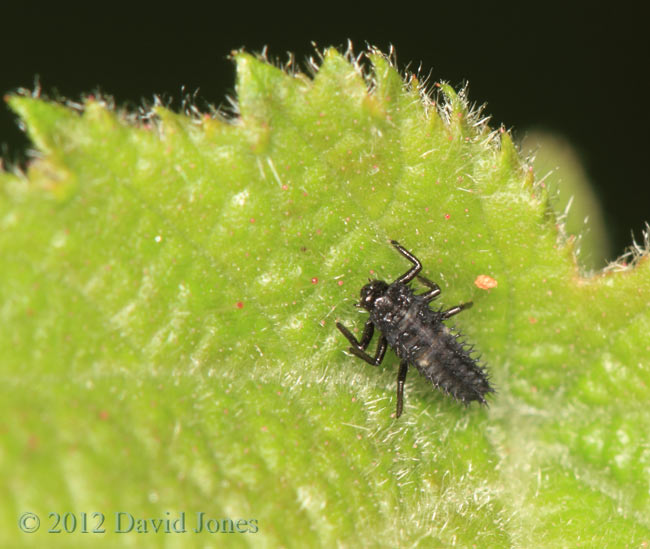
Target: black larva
<point>418,336</point>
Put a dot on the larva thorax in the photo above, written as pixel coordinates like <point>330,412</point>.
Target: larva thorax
<point>401,317</point>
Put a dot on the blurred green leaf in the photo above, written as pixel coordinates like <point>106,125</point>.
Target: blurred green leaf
<point>572,195</point>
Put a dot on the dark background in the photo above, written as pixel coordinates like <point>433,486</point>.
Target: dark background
<point>579,72</point>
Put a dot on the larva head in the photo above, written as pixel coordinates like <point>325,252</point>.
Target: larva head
<point>371,292</point>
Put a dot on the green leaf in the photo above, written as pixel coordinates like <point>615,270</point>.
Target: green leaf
<point>571,193</point>
<point>168,298</point>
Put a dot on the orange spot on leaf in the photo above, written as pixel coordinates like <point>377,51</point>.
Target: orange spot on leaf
<point>485,282</point>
